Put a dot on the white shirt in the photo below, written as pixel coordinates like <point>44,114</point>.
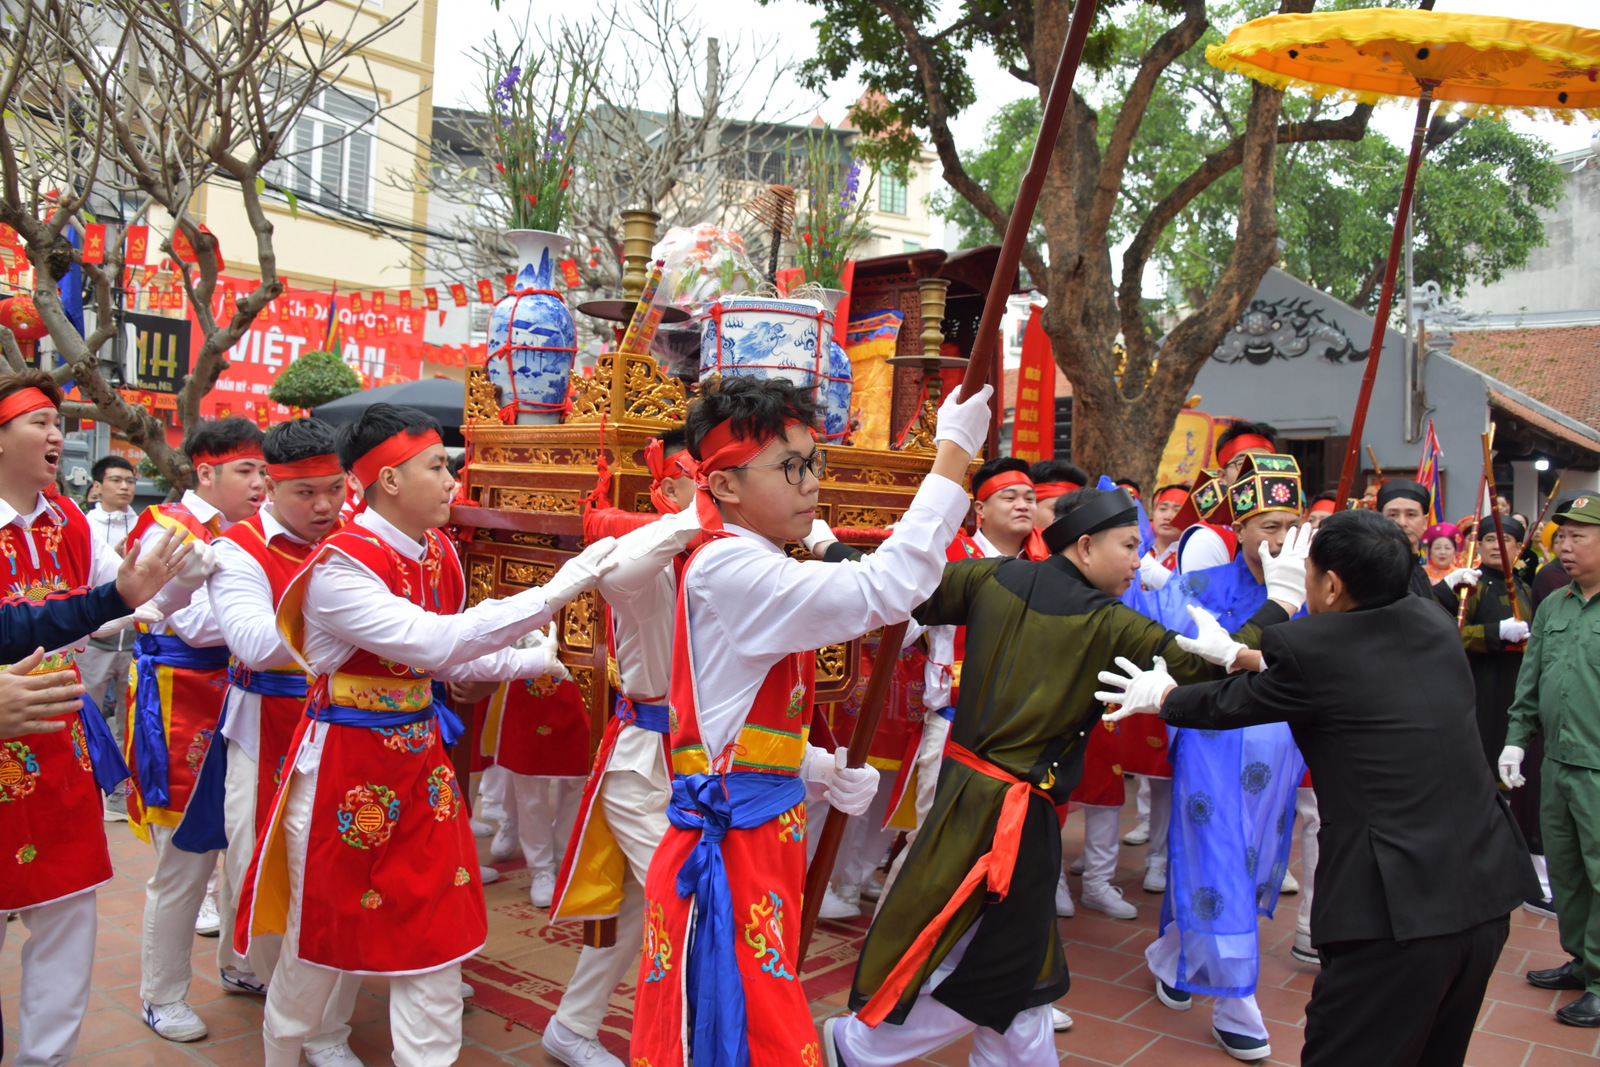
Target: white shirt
<point>103,562</point>
<point>188,617</point>
<point>1201,547</point>
<point>111,526</point>
<point>244,607</point>
<point>749,604</point>
<point>938,675</point>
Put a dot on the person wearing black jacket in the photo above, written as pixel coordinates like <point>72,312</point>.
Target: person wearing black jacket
<point>1421,862</point>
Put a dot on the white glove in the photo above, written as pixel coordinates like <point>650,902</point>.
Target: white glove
<point>580,573</point>
<point>850,789</point>
<point>1285,573</point>
<point>1462,574</point>
<point>821,533</point>
<point>1511,766</point>
<point>148,614</point>
<point>1212,644</point>
<point>1513,631</point>
<point>197,567</point>
<point>114,626</point>
<point>1151,573</point>
<point>965,424</point>
<point>1139,693</point>
<point>546,643</point>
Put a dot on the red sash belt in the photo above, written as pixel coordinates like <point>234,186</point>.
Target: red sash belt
<point>993,867</point>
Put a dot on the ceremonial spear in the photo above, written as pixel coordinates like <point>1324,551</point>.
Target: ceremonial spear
<point>977,372</point>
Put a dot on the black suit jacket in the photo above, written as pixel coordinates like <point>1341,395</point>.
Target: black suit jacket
<point>1415,839</point>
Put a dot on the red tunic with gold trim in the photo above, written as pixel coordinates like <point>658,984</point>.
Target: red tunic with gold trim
<point>280,716</point>
<point>52,833</point>
<point>540,726</point>
<point>746,969</point>
<point>391,871</point>
<point>188,699</point>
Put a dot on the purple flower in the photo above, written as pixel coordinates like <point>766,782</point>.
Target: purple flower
<point>851,185</point>
<point>502,89</point>
<point>556,134</point>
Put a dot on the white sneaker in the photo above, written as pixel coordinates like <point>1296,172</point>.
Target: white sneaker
<point>505,843</point>
<point>1060,1021</point>
<point>1139,835</point>
<point>481,828</point>
<point>834,907</point>
<point>208,922</point>
<point>237,981</point>
<point>337,1056</point>
<point>467,992</point>
<point>1064,905</point>
<point>175,1022</point>
<point>1108,898</point>
<point>872,889</point>
<point>574,1050</point>
<point>1290,886</point>
<point>851,895</point>
<point>1155,875</point>
<point>488,875</point>
<point>543,890</point>
<point>1077,865</point>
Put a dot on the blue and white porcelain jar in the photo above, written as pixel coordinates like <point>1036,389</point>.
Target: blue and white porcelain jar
<point>532,335</point>
<point>759,338</point>
<point>837,387</point>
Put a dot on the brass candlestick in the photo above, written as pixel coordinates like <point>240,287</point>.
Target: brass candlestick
<point>932,293</point>
<point>638,238</point>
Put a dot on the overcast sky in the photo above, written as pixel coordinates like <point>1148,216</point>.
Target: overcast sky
<point>464,23</point>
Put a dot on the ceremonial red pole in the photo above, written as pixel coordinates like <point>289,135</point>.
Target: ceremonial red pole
<point>977,374</point>
<point>1380,322</point>
<point>1499,529</point>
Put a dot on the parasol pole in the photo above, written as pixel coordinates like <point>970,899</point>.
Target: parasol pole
<point>1544,512</point>
<point>1472,550</point>
<point>1380,322</point>
<point>1499,531</point>
<point>977,374</point>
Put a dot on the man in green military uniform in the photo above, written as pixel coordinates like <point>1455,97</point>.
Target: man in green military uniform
<point>967,937</point>
<point>1558,696</point>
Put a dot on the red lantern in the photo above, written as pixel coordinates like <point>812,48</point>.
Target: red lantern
<point>21,317</point>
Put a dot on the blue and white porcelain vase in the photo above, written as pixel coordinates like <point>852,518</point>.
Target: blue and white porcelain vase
<point>532,335</point>
<point>835,389</point>
<point>758,338</point>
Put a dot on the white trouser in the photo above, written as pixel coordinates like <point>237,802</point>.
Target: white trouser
<point>172,900</point>
<point>635,808</point>
<point>310,1006</point>
<point>930,755</point>
<point>1141,802</point>
<point>1100,838</point>
<point>1234,1015</point>
<point>546,809</point>
<point>865,838</point>
<point>1029,1041</point>
<point>239,821</point>
<point>1160,818</point>
<point>57,959</point>
<point>494,795</point>
<point>1541,870</point>
<point>1305,806</point>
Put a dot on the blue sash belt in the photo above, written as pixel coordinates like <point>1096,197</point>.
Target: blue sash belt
<point>203,828</point>
<point>450,727</point>
<point>713,805</point>
<point>653,717</point>
<point>110,769</point>
<point>947,713</point>
<point>150,729</point>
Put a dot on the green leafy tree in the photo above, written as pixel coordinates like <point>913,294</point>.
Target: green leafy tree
<point>315,378</point>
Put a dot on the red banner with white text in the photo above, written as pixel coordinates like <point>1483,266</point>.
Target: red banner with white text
<point>1033,425</point>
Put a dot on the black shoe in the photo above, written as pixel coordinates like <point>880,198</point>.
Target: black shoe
<point>1241,1047</point>
<point>1540,906</point>
<point>1585,1011</point>
<point>1176,999</point>
<point>1556,977</point>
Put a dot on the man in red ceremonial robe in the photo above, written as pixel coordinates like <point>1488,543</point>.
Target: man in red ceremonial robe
<point>53,851</point>
<point>180,675</point>
<point>367,864</point>
<point>256,559</point>
<point>748,621</point>
<point>623,815</point>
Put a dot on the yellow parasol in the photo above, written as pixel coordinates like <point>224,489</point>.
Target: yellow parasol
<point>1486,64</point>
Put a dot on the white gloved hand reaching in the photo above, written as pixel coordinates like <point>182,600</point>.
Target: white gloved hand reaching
<point>1139,693</point>
<point>546,643</point>
<point>1514,631</point>
<point>580,573</point>
<point>200,564</point>
<point>850,789</point>
<point>1151,573</point>
<point>965,424</point>
<point>1212,643</point>
<point>1469,575</point>
<point>821,533</point>
<point>1285,573</point>
<point>1511,767</point>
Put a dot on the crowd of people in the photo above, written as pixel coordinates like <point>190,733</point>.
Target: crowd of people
<point>265,671</point>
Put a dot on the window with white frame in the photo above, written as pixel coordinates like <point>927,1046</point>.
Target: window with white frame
<point>330,150</point>
<point>891,194</point>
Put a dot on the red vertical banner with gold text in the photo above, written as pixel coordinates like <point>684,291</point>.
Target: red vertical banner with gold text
<point>1033,426</point>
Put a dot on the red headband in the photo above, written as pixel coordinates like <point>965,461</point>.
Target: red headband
<point>23,401</point>
<point>1001,481</point>
<point>1174,495</point>
<point>321,466</point>
<point>217,459</point>
<point>393,452</point>
<point>1239,444</point>
<point>720,450</point>
<point>1050,490</point>
<point>1323,505</point>
<point>678,465</point>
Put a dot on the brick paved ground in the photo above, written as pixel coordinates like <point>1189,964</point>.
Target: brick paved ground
<point>1118,1021</point>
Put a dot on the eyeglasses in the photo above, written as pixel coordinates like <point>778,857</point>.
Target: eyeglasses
<point>794,468</point>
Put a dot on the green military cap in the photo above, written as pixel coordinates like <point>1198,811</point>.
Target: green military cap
<point>1579,509</point>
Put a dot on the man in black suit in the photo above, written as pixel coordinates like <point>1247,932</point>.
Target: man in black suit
<point>1421,862</point>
